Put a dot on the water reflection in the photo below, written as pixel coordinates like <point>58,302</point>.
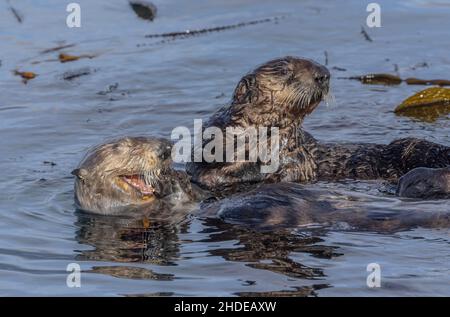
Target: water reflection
<point>128,239</point>
<point>272,251</point>
<point>428,114</point>
<point>137,240</point>
<point>140,240</point>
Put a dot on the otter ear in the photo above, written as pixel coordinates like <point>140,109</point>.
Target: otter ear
<point>79,173</point>
<point>246,91</point>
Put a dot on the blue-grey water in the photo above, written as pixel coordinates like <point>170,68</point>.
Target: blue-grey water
<point>165,85</point>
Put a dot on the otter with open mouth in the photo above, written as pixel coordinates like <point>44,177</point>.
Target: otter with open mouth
<point>280,93</point>
<point>133,177</point>
<point>130,172</point>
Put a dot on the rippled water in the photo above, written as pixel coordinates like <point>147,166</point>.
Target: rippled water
<point>47,124</point>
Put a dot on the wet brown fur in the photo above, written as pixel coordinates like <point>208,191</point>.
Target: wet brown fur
<point>99,189</point>
<point>280,93</point>
<point>269,96</point>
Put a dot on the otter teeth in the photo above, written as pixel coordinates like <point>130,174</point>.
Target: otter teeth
<point>140,183</point>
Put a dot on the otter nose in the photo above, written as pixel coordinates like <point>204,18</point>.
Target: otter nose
<point>165,152</point>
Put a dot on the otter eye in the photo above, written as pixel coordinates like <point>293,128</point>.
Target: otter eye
<point>285,72</point>
<point>80,173</point>
<point>167,153</point>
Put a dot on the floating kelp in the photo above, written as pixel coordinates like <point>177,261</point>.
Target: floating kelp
<point>426,105</point>
<point>143,9</point>
<point>417,81</point>
<point>64,58</point>
<point>188,33</point>
<point>366,35</point>
<point>57,48</point>
<point>16,14</point>
<point>340,69</point>
<point>388,79</point>
<point>325,53</point>
<point>378,79</point>
<point>26,76</point>
<point>70,75</point>
<point>174,36</point>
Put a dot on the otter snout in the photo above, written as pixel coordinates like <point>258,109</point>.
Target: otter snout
<point>164,149</point>
<point>322,77</point>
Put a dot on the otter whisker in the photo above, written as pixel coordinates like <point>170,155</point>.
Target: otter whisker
<point>150,177</point>
<point>301,97</point>
<point>329,98</point>
<point>297,100</point>
<point>291,97</point>
<point>287,97</point>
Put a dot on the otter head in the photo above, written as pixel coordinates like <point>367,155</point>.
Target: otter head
<point>289,87</point>
<point>124,172</point>
<point>425,183</point>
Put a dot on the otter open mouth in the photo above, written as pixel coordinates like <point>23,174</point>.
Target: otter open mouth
<point>139,183</point>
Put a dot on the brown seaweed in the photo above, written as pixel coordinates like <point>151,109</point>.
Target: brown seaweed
<point>189,33</point>
<point>378,79</point>
<point>64,58</point>
<point>426,105</point>
<point>16,14</point>
<point>143,9</point>
<point>57,48</point>
<point>366,35</point>
<point>70,75</point>
<point>417,81</point>
<point>26,76</point>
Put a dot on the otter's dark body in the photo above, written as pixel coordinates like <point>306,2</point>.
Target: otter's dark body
<point>336,161</point>
<point>425,183</point>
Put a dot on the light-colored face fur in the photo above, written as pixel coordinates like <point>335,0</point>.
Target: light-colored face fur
<point>287,87</point>
<point>123,172</point>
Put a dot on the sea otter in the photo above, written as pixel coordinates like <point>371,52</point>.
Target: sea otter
<point>270,207</point>
<point>281,93</point>
<point>133,177</point>
<point>131,172</point>
<point>136,172</point>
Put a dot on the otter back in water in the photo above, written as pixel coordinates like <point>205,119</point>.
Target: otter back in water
<point>291,205</point>
<point>425,183</point>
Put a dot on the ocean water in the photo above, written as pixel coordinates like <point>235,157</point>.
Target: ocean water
<point>47,125</point>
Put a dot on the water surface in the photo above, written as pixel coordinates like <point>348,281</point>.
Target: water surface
<point>48,123</point>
